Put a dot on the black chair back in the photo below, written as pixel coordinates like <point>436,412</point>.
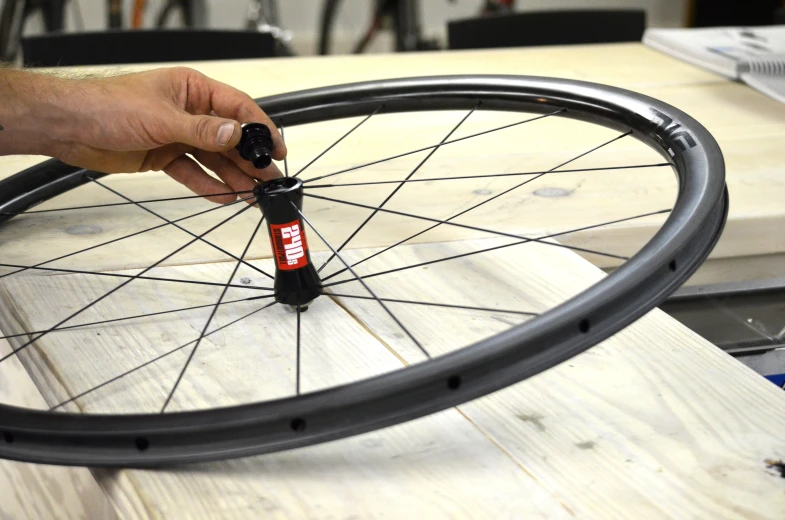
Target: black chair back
<point>711,13</point>
<point>143,46</point>
<point>548,28</point>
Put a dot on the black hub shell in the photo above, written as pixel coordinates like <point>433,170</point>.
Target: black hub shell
<point>296,279</point>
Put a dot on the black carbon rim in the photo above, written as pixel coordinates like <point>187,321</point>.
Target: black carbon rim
<point>640,284</point>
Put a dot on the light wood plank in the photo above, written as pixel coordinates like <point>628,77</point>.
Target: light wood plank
<point>437,467</point>
<point>653,423</point>
<point>740,268</point>
<point>697,446</point>
<point>624,65</point>
<point>529,208</point>
<point>31,491</point>
<point>750,137</point>
<point>749,127</point>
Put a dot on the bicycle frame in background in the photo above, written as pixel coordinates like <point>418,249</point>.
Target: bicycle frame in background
<point>402,17</point>
<point>262,16</point>
<point>16,12</point>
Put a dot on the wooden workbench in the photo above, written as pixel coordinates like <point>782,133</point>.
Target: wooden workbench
<point>653,423</point>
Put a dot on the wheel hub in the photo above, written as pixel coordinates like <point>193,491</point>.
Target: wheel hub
<point>296,281</point>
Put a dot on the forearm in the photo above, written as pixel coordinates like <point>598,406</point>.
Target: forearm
<point>35,112</point>
<point>160,120</point>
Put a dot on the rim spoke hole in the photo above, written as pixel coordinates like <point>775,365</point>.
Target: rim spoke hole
<point>584,326</point>
<point>454,382</point>
<point>672,266</point>
<point>142,443</point>
<point>9,437</point>
<point>298,424</point>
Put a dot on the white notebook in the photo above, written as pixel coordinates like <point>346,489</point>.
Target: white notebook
<point>754,55</point>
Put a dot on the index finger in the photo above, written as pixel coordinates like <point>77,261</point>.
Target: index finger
<point>227,101</point>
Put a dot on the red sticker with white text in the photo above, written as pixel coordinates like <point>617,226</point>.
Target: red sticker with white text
<point>289,245</point>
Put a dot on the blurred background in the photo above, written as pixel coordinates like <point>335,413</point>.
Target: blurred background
<point>302,17</point>
<point>306,27</point>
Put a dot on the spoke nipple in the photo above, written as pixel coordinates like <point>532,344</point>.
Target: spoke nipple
<point>303,307</point>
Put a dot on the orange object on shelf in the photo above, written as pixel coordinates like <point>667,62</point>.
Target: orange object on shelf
<point>138,17</point>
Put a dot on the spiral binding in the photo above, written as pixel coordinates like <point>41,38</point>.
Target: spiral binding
<point>765,66</point>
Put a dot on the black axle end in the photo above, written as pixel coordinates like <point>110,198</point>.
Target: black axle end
<point>256,145</point>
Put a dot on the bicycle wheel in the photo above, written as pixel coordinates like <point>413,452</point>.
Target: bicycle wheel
<point>419,386</point>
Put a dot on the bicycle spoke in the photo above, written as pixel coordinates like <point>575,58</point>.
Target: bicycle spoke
<point>504,127</point>
<point>138,316</point>
<point>106,295</point>
<point>448,221</point>
<point>133,276</point>
<point>494,248</point>
<point>365,285</point>
<point>154,360</point>
<point>344,136</point>
<point>397,188</point>
<point>181,228</point>
<point>285,159</point>
<point>434,304</point>
<point>149,201</point>
<point>490,176</point>
<point>212,315</point>
<point>25,268</point>
<point>298,351</point>
<point>466,226</point>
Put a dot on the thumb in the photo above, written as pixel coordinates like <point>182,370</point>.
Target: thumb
<point>210,133</point>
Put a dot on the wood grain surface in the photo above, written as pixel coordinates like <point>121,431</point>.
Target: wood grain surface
<point>653,423</point>
<point>31,491</point>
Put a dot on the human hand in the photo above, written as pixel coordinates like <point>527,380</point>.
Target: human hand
<point>153,120</point>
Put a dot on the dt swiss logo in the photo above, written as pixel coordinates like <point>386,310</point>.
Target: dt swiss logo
<point>682,139</point>
<point>290,245</point>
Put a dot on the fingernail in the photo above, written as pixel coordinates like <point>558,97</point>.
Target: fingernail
<point>225,132</point>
